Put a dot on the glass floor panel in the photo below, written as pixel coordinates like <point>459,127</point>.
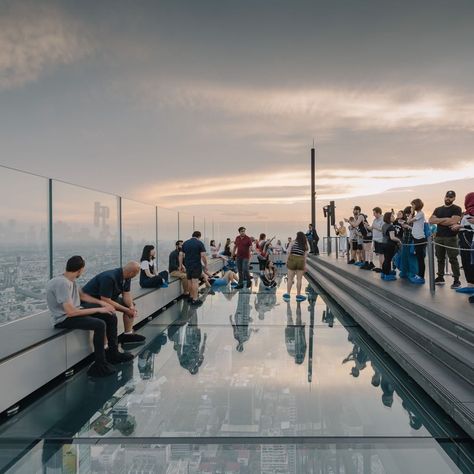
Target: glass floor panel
<point>301,382</point>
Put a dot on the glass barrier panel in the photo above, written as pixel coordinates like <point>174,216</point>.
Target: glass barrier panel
<point>167,235</point>
<point>138,229</point>
<point>186,225</point>
<point>24,260</point>
<point>85,223</point>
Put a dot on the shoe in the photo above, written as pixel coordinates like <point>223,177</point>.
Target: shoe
<point>390,278</point>
<point>377,270</point>
<point>465,289</point>
<point>365,266</point>
<point>417,280</point>
<point>439,281</point>
<point>351,262</point>
<point>239,286</point>
<point>131,338</point>
<point>116,357</point>
<point>359,264</point>
<point>471,299</point>
<point>234,284</point>
<point>456,284</point>
<point>249,284</point>
<point>393,272</point>
<point>100,369</point>
<point>164,285</point>
<point>371,266</point>
<point>286,296</point>
<point>300,297</point>
<point>382,276</point>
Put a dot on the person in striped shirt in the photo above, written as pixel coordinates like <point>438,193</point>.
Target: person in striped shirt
<point>297,253</point>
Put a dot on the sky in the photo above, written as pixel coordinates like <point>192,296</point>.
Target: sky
<point>212,107</point>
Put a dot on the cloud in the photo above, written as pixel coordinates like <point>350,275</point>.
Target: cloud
<point>35,37</point>
<point>281,110</point>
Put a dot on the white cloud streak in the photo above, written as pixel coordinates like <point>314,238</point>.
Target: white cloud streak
<point>35,37</point>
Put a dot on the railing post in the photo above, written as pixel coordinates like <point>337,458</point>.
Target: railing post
<point>348,249</point>
<point>329,246</point>
<point>431,264</point>
<point>50,228</point>
<point>120,229</point>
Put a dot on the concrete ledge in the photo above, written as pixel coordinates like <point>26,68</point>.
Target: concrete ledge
<point>52,352</point>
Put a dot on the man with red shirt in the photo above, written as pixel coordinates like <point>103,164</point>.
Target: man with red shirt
<point>241,252</point>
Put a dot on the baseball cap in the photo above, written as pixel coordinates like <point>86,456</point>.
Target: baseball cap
<point>451,194</point>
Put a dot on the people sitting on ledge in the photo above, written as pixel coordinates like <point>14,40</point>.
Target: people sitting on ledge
<point>113,287</point>
<point>215,251</point>
<point>149,278</point>
<point>64,296</point>
<point>176,270</point>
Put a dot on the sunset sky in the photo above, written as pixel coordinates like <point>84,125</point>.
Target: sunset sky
<point>212,106</point>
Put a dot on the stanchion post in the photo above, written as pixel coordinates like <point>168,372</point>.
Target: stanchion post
<point>348,250</point>
<point>431,264</point>
<point>337,247</point>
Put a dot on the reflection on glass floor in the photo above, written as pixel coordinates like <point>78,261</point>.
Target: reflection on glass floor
<point>245,383</point>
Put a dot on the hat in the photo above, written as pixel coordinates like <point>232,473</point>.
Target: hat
<point>450,194</point>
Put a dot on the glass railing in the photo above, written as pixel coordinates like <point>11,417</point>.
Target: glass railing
<point>47,221</point>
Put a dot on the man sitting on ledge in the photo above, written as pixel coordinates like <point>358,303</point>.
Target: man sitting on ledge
<point>64,297</point>
<point>176,270</point>
<point>108,286</point>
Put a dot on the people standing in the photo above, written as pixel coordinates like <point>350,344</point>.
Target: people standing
<point>313,239</point>
<point>466,243</point>
<point>390,245</point>
<point>241,253</point>
<point>149,278</point>
<point>297,254</point>
<point>341,233</point>
<point>417,221</point>
<point>377,236</point>
<point>446,239</point>
<point>193,256</point>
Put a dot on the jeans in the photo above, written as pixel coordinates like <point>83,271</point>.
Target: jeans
<point>420,246</point>
<point>101,324</point>
<point>389,251</point>
<point>243,269</point>
<point>452,253</point>
<point>465,242</point>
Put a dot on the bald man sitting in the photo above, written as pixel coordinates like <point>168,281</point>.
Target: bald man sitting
<point>113,287</point>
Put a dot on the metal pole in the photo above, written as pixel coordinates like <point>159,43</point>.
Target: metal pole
<point>329,232</point>
<point>120,229</point>
<point>313,188</point>
<point>337,246</point>
<point>50,227</point>
<point>431,264</point>
<point>348,250</point>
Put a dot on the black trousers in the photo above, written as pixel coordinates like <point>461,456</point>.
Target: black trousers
<point>101,324</point>
<point>420,251</point>
<point>389,251</point>
<point>465,242</point>
<point>154,282</point>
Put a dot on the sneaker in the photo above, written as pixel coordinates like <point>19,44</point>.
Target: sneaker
<point>382,276</point>
<point>439,281</point>
<point>359,264</point>
<point>351,262</point>
<point>100,369</point>
<point>377,270</point>
<point>116,357</point>
<point>390,278</point>
<point>456,284</point>
<point>465,289</point>
<point>131,338</point>
<point>286,296</point>
<point>371,266</point>
<point>417,280</point>
<point>164,285</point>
<point>365,266</point>
<point>300,297</point>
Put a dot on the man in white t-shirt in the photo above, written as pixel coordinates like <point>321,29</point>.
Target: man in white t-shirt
<point>377,236</point>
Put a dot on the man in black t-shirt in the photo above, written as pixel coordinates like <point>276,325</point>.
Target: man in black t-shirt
<point>446,240</point>
<point>193,255</point>
<point>176,270</point>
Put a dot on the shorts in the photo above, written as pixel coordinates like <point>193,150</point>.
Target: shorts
<point>194,273</point>
<point>295,262</point>
<point>355,245</point>
<point>178,274</point>
<point>378,248</point>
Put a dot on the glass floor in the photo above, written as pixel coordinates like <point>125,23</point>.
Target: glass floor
<point>246,383</point>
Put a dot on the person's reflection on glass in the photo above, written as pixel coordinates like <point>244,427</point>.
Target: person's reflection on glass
<point>387,390</point>
<point>415,419</point>
<point>375,381</point>
<point>358,356</point>
<point>295,337</point>
<point>241,321</point>
<point>265,300</point>
<point>190,344</point>
<point>328,317</point>
<point>146,358</point>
